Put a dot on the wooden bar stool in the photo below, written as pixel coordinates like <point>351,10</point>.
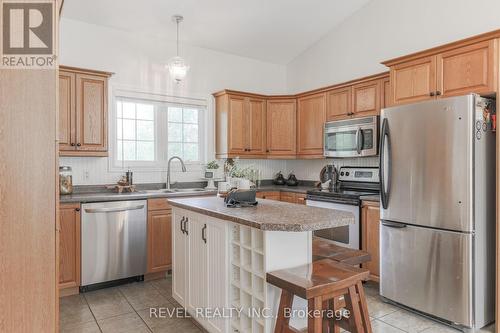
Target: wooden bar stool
<point>322,284</point>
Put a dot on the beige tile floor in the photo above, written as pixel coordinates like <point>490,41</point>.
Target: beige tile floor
<point>126,309</point>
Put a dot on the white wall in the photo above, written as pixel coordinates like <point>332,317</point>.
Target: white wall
<point>385,29</point>
<point>139,63</point>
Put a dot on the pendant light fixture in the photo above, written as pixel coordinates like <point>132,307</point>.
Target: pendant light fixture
<point>177,66</point>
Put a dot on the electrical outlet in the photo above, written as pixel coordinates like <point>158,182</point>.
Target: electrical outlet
<point>86,175</point>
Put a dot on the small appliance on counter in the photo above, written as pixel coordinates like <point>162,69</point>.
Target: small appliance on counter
<point>292,180</point>
<point>279,179</point>
<point>237,198</point>
<point>65,180</point>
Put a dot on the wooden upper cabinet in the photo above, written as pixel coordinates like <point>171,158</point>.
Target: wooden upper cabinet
<point>311,117</point>
<point>67,112</point>
<point>414,81</point>
<point>92,112</point>
<point>240,125</point>
<point>237,133</point>
<point>338,104</point>
<point>69,245</point>
<point>366,98</point>
<point>385,94</point>
<point>472,68</point>
<point>83,112</point>
<point>281,128</point>
<point>463,67</point>
<point>257,130</point>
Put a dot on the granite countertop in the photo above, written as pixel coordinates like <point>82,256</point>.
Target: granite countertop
<point>112,196</point>
<point>268,214</point>
<point>285,188</point>
<point>373,197</point>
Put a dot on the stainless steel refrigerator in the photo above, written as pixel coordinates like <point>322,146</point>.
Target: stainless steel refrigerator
<point>437,233</point>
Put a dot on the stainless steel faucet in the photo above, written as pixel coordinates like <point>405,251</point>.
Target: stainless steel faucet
<point>168,169</point>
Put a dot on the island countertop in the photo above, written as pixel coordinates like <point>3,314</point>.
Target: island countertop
<point>268,214</point>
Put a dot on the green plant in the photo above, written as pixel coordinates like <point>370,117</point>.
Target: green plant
<point>213,165</point>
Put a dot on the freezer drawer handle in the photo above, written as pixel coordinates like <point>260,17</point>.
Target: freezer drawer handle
<point>112,210</point>
<point>394,225</point>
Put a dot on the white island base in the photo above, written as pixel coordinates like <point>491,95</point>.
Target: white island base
<point>219,265</point>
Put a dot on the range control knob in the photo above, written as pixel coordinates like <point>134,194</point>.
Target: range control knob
<point>342,173</point>
<point>347,173</point>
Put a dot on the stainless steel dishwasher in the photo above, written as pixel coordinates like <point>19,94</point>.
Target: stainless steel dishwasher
<point>113,240</point>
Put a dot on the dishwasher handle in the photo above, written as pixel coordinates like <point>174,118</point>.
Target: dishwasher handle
<point>113,210</point>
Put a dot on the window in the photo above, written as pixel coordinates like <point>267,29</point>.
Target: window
<point>135,131</point>
<point>148,132</point>
<point>183,133</point>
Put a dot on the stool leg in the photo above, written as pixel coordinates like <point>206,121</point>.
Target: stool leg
<point>286,301</point>
<point>334,324</point>
<point>364,308</point>
<point>352,304</point>
<point>314,322</point>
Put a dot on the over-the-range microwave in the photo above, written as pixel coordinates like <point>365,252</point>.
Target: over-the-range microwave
<point>351,138</point>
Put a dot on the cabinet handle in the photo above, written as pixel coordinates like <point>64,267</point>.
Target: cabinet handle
<point>203,233</point>
<point>268,151</point>
<point>182,224</point>
<point>72,144</point>
<point>78,144</point>
<point>186,226</point>
<point>77,209</point>
<point>438,93</point>
<point>431,93</point>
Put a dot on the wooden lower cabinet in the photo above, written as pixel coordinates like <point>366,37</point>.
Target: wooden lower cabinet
<point>69,246</point>
<point>292,197</point>
<point>370,226</point>
<point>159,235</point>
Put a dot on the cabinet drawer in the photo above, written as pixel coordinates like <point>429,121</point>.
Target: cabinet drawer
<point>269,195</point>
<point>158,203</point>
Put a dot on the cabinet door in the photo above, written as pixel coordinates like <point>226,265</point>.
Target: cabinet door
<point>300,198</point>
<point>179,258</point>
<point>69,246</point>
<point>238,124</point>
<point>370,224</point>
<point>468,69</point>
<point>311,117</point>
<point>197,263</point>
<point>67,113</point>
<point>281,128</point>
<point>339,104</point>
<point>216,236</point>
<point>257,131</point>
<point>159,240</point>
<point>288,197</point>
<point>413,81</point>
<point>91,113</point>
<point>366,98</point>
<point>385,94</point>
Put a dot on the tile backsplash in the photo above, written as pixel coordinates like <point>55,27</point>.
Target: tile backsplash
<point>95,170</point>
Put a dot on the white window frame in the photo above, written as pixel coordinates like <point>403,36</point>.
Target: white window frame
<point>161,119</point>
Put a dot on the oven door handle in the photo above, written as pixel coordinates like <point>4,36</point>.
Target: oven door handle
<point>359,140</point>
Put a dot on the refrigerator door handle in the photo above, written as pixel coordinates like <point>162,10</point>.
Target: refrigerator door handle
<point>393,225</point>
<point>385,184</point>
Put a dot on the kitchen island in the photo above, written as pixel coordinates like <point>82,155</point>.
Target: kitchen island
<point>221,256</point>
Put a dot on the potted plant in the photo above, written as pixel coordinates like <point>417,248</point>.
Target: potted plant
<point>211,169</point>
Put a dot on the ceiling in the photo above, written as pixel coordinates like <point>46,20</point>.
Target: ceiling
<point>270,30</point>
